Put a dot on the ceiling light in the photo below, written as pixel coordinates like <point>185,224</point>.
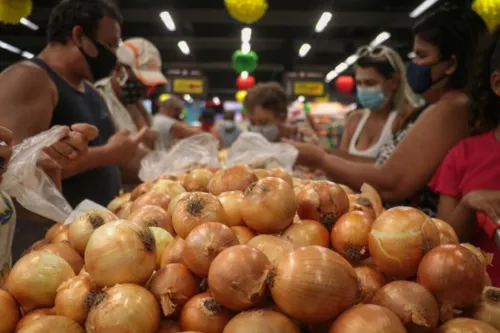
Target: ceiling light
<point>304,50</point>
<point>411,55</point>
<point>245,48</point>
<point>188,98</point>
<point>29,24</point>
<point>246,35</point>
<point>422,8</point>
<point>183,46</point>
<point>351,59</point>
<point>331,75</point>
<point>341,67</point>
<point>9,47</point>
<point>27,55</point>
<point>244,75</point>
<point>382,37</point>
<point>216,100</point>
<point>167,19</point>
<point>323,21</point>
<point>301,99</point>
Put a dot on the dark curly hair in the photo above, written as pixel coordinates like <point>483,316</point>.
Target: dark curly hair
<point>485,108</point>
<point>84,13</point>
<point>269,95</point>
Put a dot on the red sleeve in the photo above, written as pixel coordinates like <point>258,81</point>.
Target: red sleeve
<point>448,177</point>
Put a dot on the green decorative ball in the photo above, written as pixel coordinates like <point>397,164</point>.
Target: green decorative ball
<point>245,62</point>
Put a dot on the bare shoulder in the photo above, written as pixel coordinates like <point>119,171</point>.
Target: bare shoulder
<point>353,118</point>
<point>26,76</point>
<point>452,102</point>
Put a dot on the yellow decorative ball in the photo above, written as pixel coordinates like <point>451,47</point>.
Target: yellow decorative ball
<point>12,11</point>
<point>246,11</point>
<point>240,95</point>
<point>489,10</point>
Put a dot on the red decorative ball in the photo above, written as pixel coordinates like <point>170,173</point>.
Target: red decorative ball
<point>345,84</point>
<point>245,84</point>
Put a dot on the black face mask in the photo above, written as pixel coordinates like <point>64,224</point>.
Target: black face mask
<point>101,65</point>
<point>133,91</point>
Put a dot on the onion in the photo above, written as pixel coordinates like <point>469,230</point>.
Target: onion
<point>273,247</point>
<point>454,276</point>
<point>488,308</point>
<point>283,174</point>
<point>152,216</point>
<point>34,279</point>
<point>262,173</point>
<point>120,252</point>
<point>168,187</point>
<point>413,304</point>
<point>32,316</point>
<point>487,279</point>
<point>179,178</point>
<point>466,325</point>
<point>74,297</point>
<point>485,258</point>
<point>269,206</point>
<point>67,253</point>
<point>140,190</point>
<point>154,198</point>
<point>235,178</point>
<point>54,230</point>
<point>204,243</point>
<point>203,313</point>
<point>308,232</point>
<point>173,285</point>
<point>172,254</point>
<point>399,238</point>
<point>237,277</point>
<point>370,281</point>
<point>10,312</point>
<point>315,276</point>
<point>261,320</point>
<point>61,237</point>
<point>371,194</point>
<point>322,201</point>
<point>115,204</point>
<point>169,326</point>
<point>124,308</point>
<point>446,233</point>
<point>244,234</point>
<point>347,189</point>
<point>194,210</point>
<point>84,272</point>
<point>52,324</point>
<point>197,180</point>
<point>361,203</point>
<point>36,246</point>
<point>350,236</point>
<point>232,202</point>
<point>124,211</point>
<point>368,318</point>
<point>174,202</point>
<point>163,240</point>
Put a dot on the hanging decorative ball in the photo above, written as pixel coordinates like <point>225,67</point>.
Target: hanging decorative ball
<point>12,11</point>
<point>245,83</point>
<point>489,10</point>
<point>245,62</point>
<point>240,95</point>
<point>246,11</point>
<point>345,84</point>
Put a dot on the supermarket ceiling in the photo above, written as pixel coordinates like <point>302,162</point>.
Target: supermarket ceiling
<point>212,35</point>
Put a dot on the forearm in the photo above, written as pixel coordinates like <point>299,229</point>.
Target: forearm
<point>345,155</point>
<point>133,166</point>
<point>97,157</point>
<point>462,220</point>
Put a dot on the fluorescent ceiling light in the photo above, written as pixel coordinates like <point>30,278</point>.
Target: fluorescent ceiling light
<point>246,35</point>
<point>29,24</point>
<point>183,46</point>
<point>352,59</point>
<point>422,8</point>
<point>341,67</point>
<point>188,98</point>
<point>216,100</point>
<point>9,47</point>
<point>382,37</point>
<point>304,50</point>
<point>245,48</point>
<point>167,19</point>
<point>323,21</point>
<point>301,99</point>
<point>331,75</point>
<point>244,75</point>
<point>27,55</point>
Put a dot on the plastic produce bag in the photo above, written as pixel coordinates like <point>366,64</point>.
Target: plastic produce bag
<point>84,207</point>
<point>198,151</point>
<point>256,151</point>
<point>26,182</point>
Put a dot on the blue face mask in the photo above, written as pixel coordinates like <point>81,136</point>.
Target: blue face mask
<point>372,98</point>
<point>419,77</point>
<point>270,132</point>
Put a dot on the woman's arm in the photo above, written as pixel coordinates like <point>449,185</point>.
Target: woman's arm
<point>457,214</point>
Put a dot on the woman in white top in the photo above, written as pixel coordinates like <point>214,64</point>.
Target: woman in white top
<point>386,97</point>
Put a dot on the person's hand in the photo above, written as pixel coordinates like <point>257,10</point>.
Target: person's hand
<point>51,168</point>
<point>123,147</point>
<point>309,155</point>
<point>5,149</point>
<point>487,202</point>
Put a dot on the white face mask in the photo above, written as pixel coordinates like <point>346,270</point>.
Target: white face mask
<point>122,81</point>
<point>270,132</point>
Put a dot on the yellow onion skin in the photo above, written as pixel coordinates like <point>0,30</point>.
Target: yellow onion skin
<point>204,243</point>
<point>307,233</point>
<point>65,251</point>
<point>140,190</point>
<point>152,216</point>
<point>173,203</point>
<point>124,211</point>
<point>484,258</point>
<point>195,209</point>
<point>370,280</point>
<point>232,202</point>
<point>466,325</point>
<point>315,276</point>
<point>10,313</point>
<point>446,233</point>
<point>124,308</point>
<point>116,203</point>
<point>367,318</point>
<point>412,303</point>
<point>169,326</point>
<point>272,246</point>
<point>52,324</point>
<point>488,308</point>
<point>172,254</point>
<point>73,296</point>
<point>262,173</point>
<point>169,187</point>
<point>34,279</point>
<point>234,178</point>
<point>237,277</point>
<point>153,198</point>
<point>32,316</point>
<point>358,202</point>
<point>163,239</point>
<point>61,237</point>
<point>269,206</point>
<point>261,320</point>
<point>281,173</point>
<point>399,239</point>
<point>54,230</point>
<point>203,313</point>
<point>197,180</point>
<point>244,234</point>
<point>350,236</point>
<point>120,252</point>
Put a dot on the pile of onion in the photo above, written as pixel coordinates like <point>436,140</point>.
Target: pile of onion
<point>66,252</point>
<point>202,313</point>
<point>485,258</point>
<point>237,277</point>
<point>173,285</point>
<point>82,227</point>
<point>261,320</point>
<point>124,211</point>
<point>140,190</point>
<point>163,239</point>
<point>488,308</point>
<point>322,201</point>
<point>124,308</point>
<point>61,237</point>
<point>313,284</point>
<point>153,198</point>
<point>262,173</point>
<point>244,234</point>
<point>272,246</point>
<point>168,187</point>
<point>152,216</point>
<point>117,202</point>
<point>232,203</point>
<point>34,315</point>
<point>9,311</point>
<point>368,318</point>
<point>204,243</point>
<point>268,206</point>
<point>350,236</point>
<point>169,326</point>
<point>446,233</point>
<point>399,239</point>
<point>197,180</point>
<point>55,324</point>
<point>281,173</point>
<point>120,252</point>
<point>54,231</point>
<point>361,203</point>
<point>74,297</point>
<point>34,279</point>
<point>370,280</point>
<point>235,178</point>
<point>306,233</point>
<point>172,254</point>
<point>466,325</point>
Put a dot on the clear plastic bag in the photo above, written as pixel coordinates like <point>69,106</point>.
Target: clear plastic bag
<point>82,208</point>
<point>26,182</point>
<point>256,151</point>
<point>200,150</point>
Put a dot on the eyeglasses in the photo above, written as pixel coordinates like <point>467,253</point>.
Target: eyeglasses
<point>376,52</point>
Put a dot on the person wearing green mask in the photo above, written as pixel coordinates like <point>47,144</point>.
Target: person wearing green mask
<point>229,130</point>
